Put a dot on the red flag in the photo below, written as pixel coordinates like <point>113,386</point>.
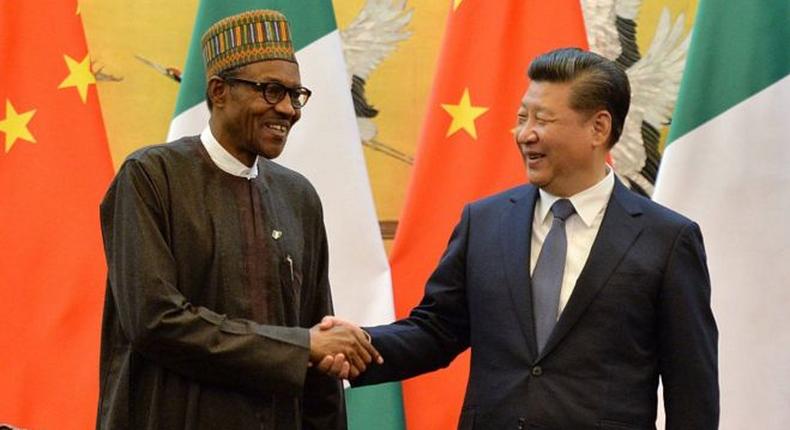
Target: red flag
<point>467,151</point>
<point>54,167</point>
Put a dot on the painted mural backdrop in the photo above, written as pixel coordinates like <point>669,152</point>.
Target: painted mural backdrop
<point>136,51</point>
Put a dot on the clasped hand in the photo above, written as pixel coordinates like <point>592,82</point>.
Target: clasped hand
<point>340,348</point>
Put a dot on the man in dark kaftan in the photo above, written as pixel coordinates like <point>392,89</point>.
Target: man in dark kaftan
<point>217,262</point>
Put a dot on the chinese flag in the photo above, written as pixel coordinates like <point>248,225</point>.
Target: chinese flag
<point>54,167</point>
<point>467,151</point>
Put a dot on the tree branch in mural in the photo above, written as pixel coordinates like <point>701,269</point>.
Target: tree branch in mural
<point>655,78</point>
<point>367,41</point>
<point>102,76</point>
<point>170,72</point>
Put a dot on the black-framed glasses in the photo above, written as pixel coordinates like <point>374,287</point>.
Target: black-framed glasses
<point>274,92</point>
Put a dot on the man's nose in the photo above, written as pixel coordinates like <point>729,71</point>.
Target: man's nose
<point>285,106</point>
<point>525,133</point>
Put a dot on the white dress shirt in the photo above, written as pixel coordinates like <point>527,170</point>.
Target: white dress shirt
<point>580,229</point>
<point>223,159</point>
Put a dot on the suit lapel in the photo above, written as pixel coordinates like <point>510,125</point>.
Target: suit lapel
<point>515,236</point>
<point>620,227</point>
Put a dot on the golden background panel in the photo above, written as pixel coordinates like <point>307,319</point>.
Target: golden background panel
<point>138,109</point>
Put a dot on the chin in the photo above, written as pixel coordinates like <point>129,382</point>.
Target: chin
<point>270,155</point>
<point>536,179</point>
<point>271,151</point>
<point>538,184</point>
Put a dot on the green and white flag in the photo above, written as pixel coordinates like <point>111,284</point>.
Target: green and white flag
<point>325,147</point>
<point>727,166</point>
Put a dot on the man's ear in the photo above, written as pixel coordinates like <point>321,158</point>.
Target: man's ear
<point>217,89</point>
<point>601,127</point>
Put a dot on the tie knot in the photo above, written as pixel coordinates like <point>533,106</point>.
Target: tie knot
<point>562,209</point>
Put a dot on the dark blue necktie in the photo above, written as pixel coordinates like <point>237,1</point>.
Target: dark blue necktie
<point>547,276</point>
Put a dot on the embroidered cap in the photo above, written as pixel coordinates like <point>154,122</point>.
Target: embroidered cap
<point>248,37</point>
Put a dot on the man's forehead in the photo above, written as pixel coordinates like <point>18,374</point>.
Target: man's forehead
<point>541,94</point>
<point>280,70</point>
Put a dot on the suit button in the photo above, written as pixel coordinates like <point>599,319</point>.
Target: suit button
<point>522,423</point>
<point>537,371</point>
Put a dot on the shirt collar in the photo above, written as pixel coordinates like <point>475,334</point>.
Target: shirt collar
<point>224,160</point>
<point>588,203</point>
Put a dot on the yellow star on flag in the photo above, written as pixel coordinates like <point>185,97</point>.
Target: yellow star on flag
<point>456,3</point>
<point>80,76</point>
<point>464,115</point>
<point>14,125</point>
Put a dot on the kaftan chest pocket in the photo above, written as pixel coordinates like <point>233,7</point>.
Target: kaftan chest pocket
<point>291,272</point>
<point>291,283</point>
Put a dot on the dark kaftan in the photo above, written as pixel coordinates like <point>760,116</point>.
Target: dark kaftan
<point>213,281</point>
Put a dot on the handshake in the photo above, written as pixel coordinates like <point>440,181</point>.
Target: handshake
<point>341,349</point>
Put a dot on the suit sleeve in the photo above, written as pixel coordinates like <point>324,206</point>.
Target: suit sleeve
<point>688,338</point>
<point>161,323</point>
<point>437,330</point>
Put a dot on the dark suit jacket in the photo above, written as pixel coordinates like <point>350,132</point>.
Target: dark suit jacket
<point>640,309</point>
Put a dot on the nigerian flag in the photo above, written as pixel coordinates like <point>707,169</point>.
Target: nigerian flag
<point>325,147</point>
<point>727,165</point>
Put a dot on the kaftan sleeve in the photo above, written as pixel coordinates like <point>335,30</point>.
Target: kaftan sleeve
<point>161,324</point>
<point>323,399</point>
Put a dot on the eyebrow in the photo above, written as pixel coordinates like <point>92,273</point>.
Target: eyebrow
<point>538,109</point>
<point>276,80</point>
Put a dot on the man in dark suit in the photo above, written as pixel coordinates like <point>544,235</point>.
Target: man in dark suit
<point>573,293</point>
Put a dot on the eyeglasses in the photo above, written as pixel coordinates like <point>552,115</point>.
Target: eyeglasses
<point>274,92</point>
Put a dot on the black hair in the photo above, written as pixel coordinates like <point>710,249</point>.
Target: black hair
<point>598,83</point>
